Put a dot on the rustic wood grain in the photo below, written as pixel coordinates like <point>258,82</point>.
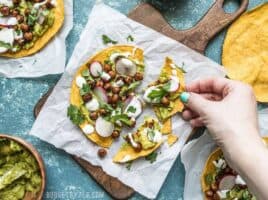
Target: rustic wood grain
<point>196,38</point>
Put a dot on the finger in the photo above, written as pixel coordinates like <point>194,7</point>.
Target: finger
<point>211,97</point>
<point>188,115</point>
<point>196,122</point>
<point>209,85</point>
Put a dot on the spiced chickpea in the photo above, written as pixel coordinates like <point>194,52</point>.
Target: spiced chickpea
<point>127,79</point>
<point>107,86</point>
<point>102,153</point>
<point>214,187</point>
<point>16,1</point>
<point>114,98</point>
<point>93,115</point>
<point>112,74</point>
<point>20,18</point>
<point>115,134</point>
<point>28,36</point>
<point>107,68</point>
<point>165,101</point>
<point>209,193</point>
<point>5,10</point>
<point>138,76</point>
<point>24,27</point>
<point>27,11</point>
<point>87,97</point>
<point>99,83</point>
<point>102,111</point>
<point>138,148</point>
<point>115,90</point>
<point>15,13</point>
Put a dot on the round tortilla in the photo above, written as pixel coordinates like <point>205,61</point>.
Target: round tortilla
<point>245,50</point>
<point>210,167</point>
<point>48,35</point>
<point>75,97</point>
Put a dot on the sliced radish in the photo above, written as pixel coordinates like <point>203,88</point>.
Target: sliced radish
<point>95,69</point>
<point>227,182</point>
<point>101,94</point>
<point>134,108</point>
<point>103,127</point>
<point>125,67</point>
<point>174,84</point>
<point>80,81</point>
<point>93,105</point>
<point>115,56</point>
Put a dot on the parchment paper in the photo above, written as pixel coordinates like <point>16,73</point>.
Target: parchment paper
<point>49,60</point>
<point>53,126</point>
<point>195,154</point>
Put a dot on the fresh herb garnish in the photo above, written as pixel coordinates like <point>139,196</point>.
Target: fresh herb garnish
<point>151,157</point>
<point>85,89</point>
<point>131,109</point>
<point>75,114</point>
<point>209,179</point>
<point>157,94</point>
<point>106,106</point>
<point>151,134</point>
<point>5,45</point>
<point>130,38</point>
<point>31,20</point>
<point>124,118</point>
<point>128,165</point>
<point>131,87</point>
<point>85,73</point>
<point>107,40</point>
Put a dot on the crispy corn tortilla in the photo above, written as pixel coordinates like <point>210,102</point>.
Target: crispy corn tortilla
<point>127,153</point>
<point>245,50</point>
<point>177,104</point>
<point>167,127</point>
<point>48,35</point>
<point>209,166</point>
<point>172,139</point>
<point>76,99</point>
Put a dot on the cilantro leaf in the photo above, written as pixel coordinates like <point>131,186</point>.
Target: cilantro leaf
<point>158,94</point>
<point>85,89</point>
<point>107,40</point>
<point>130,38</point>
<point>151,134</point>
<point>131,109</point>
<point>122,118</point>
<point>151,157</point>
<point>209,179</point>
<point>75,114</point>
<point>5,45</point>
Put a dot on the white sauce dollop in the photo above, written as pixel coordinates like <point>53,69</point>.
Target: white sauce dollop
<point>132,142</point>
<point>136,105</point>
<point>8,20</point>
<point>87,129</point>
<point>147,92</point>
<point>222,193</point>
<point>8,3</point>
<point>92,105</point>
<point>105,76</point>
<point>6,36</point>
<point>80,81</point>
<point>220,164</point>
<point>239,180</point>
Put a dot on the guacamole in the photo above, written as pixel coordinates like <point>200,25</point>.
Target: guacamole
<point>19,171</point>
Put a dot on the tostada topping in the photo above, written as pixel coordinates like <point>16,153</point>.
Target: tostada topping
<point>27,21</point>
<point>125,67</point>
<point>93,105</point>
<point>95,69</point>
<point>134,107</point>
<point>80,81</point>
<point>103,127</point>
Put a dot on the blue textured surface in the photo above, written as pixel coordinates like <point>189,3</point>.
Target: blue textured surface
<point>65,179</point>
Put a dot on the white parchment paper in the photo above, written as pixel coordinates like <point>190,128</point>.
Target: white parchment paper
<point>195,154</point>
<point>49,60</point>
<point>53,126</point>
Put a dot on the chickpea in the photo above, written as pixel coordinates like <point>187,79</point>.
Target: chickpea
<point>131,94</point>
<point>115,134</point>
<point>138,76</point>
<point>214,187</point>
<point>102,111</point>
<point>24,27</point>
<point>107,86</point>
<point>27,11</point>
<point>87,97</point>
<point>209,193</point>
<point>99,83</point>
<point>133,123</point>
<point>115,90</point>
<point>20,18</point>
<point>123,98</point>
<point>102,153</point>
<point>114,98</point>
<point>107,68</point>
<point>20,41</point>
<point>49,5</point>
<point>128,80</point>
<point>5,10</point>
<point>215,197</point>
<point>112,74</point>
<point>28,36</point>
<point>15,13</point>
<point>93,115</point>
<point>138,148</point>
<point>165,101</point>
<point>16,1</point>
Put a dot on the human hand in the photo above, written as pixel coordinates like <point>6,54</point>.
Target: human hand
<point>227,108</point>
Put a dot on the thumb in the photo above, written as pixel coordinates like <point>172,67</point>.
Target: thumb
<point>195,102</point>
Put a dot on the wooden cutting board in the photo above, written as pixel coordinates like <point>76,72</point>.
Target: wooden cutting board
<point>196,38</point>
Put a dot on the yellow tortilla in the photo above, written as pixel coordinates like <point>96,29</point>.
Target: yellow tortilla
<point>167,127</point>
<point>177,104</point>
<point>48,35</point>
<point>127,153</point>
<point>245,50</point>
<point>76,99</point>
<point>172,139</point>
<point>210,167</point>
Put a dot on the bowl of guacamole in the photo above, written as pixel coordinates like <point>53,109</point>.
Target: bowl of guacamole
<point>22,171</point>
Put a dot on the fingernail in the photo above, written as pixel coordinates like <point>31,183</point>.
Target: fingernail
<point>184,97</point>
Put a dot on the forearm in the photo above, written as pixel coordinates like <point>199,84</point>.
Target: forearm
<point>251,162</point>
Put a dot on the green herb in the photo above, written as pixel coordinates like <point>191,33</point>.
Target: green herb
<point>182,67</point>
<point>106,106</point>
<point>131,109</point>
<point>128,165</point>
<point>157,94</point>
<point>85,73</point>
<point>107,40</point>
<point>151,157</point>
<point>31,20</point>
<point>108,62</point>
<point>122,118</point>
<point>130,38</point>
<point>5,45</point>
<point>209,179</point>
<point>85,89</point>
<point>166,86</point>
<point>75,114</point>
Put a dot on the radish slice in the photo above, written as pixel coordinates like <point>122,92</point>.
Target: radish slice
<point>80,81</point>
<point>95,69</point>
<point>101,94</point>
<point>103,127</point>
<point>227,182</point>
<point>134,108</point>
<point>93,105</point>
<point>125,67</point>
<point>174,84</point>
